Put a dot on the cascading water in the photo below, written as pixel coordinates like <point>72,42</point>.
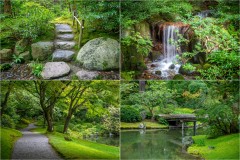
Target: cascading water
<point>167,67</point>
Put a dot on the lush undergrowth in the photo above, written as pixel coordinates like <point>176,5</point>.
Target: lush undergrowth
<point>149,125</point>
<point>224,147</point>
<point>8,138</point>
<point>77,148</point>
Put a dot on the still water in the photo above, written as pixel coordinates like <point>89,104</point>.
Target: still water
<point>153,144</point>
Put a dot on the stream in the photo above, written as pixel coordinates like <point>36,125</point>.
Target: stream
<point>154,144</point>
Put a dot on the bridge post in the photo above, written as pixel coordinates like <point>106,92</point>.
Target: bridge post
<point>182,128</point>
<point>194,128</point>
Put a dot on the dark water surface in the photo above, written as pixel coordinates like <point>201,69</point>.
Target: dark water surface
<point>153,144</point>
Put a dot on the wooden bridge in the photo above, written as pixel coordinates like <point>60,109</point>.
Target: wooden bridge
<point>180,119</point>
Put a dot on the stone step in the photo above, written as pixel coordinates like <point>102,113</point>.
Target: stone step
<point>62,55</point>
<point>65,37</point>
<point>55,70</point>
<point>65,45</point>
<point>63,28</point>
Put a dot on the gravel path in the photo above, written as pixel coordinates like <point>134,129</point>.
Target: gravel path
<point>33,146</point>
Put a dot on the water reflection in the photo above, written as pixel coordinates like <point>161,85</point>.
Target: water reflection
<point>153,144</point>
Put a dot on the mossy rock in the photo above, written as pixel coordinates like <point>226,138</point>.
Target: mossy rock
<point>67,138</point>
<point>197,66</point>
<point>158,72</point>
<point>178,77</point>
<point>206,66</point>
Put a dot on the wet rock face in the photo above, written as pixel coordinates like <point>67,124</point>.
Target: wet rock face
<point>100,54</point>
<point>55,70</point>
<point>41,50</point>
<point>187,141</point>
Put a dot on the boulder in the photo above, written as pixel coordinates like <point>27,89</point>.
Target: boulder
<point>86,75</point>
<point>172,66</point>
<point>5,54</point>
<point>62,55</point>
<point>185,71</point>
<point>158,72</point>
<point>42,50</point>
<point>99,54</point>
<point>55,70</point>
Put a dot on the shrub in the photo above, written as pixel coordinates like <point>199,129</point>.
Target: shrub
<point>37,68</point>
<point>7,121</point>
<point>130,114</point>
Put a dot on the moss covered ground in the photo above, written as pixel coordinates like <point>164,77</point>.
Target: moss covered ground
<point>224,147</point>
<point>80,149</point>
<point>8,139</point>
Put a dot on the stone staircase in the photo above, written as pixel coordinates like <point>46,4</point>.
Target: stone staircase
<point>64,43</point>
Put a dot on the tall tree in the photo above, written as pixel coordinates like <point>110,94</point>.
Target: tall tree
<point>5,96</point>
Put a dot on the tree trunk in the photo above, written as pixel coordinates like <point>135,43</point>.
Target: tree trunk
<point>7,7</point>
<point>67,121</point>
<point>48,117</point>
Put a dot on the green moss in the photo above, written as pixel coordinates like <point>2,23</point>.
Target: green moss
<point>183,111</point>
<point>206,66</point>
<point>149,124</point>
<point>178,77</point>
<point>8,138</point>
<point>80,149</point>
<point>197,66</point>
<point>224,147</point>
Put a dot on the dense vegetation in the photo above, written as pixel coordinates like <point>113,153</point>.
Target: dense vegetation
<point>76,109</point>
<point>216,37</point>
<point>214,103</point>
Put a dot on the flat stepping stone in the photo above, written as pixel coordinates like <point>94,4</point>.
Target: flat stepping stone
<point>55,70</point>
<point>65,37</point>
<point>63,28</point>
<point>62,55</point>
<point>86,75</point>
<point>65,45</point>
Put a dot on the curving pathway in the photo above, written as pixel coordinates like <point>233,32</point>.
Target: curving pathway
<point>33,146</point>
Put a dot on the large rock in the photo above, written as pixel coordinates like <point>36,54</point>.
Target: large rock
<point>5,54</point>
<point>86,75</point>
<point>42,50</point>
<point>26,55</point>
<point>99,54</point>
<point>55,70</point>
<point>63,55</point>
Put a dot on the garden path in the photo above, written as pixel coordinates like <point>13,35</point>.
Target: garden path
<point>33,146</point>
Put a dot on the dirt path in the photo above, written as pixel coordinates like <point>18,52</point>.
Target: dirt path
<point>33,146</point>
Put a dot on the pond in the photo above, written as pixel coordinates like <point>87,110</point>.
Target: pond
<point>154,144</point>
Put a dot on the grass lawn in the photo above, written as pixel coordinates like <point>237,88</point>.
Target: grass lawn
<point>8,138</point>
<point>149,125</point>
<point>80,149</point>
<point>224,147</point>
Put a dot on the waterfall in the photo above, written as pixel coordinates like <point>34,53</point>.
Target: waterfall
<point>204,14</point>
<point>169,36</point>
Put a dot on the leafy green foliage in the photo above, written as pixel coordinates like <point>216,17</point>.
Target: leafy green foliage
<point>18,59</point>
<point>130,114</point>
<point>7,121</point>
<point>143,45</point>
<point>37,68</point>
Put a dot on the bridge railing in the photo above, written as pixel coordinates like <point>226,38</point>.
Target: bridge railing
<point>80,27</point>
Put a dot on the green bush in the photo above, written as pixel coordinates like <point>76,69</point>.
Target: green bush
<point>130,114</point>
<point>7,121</point>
